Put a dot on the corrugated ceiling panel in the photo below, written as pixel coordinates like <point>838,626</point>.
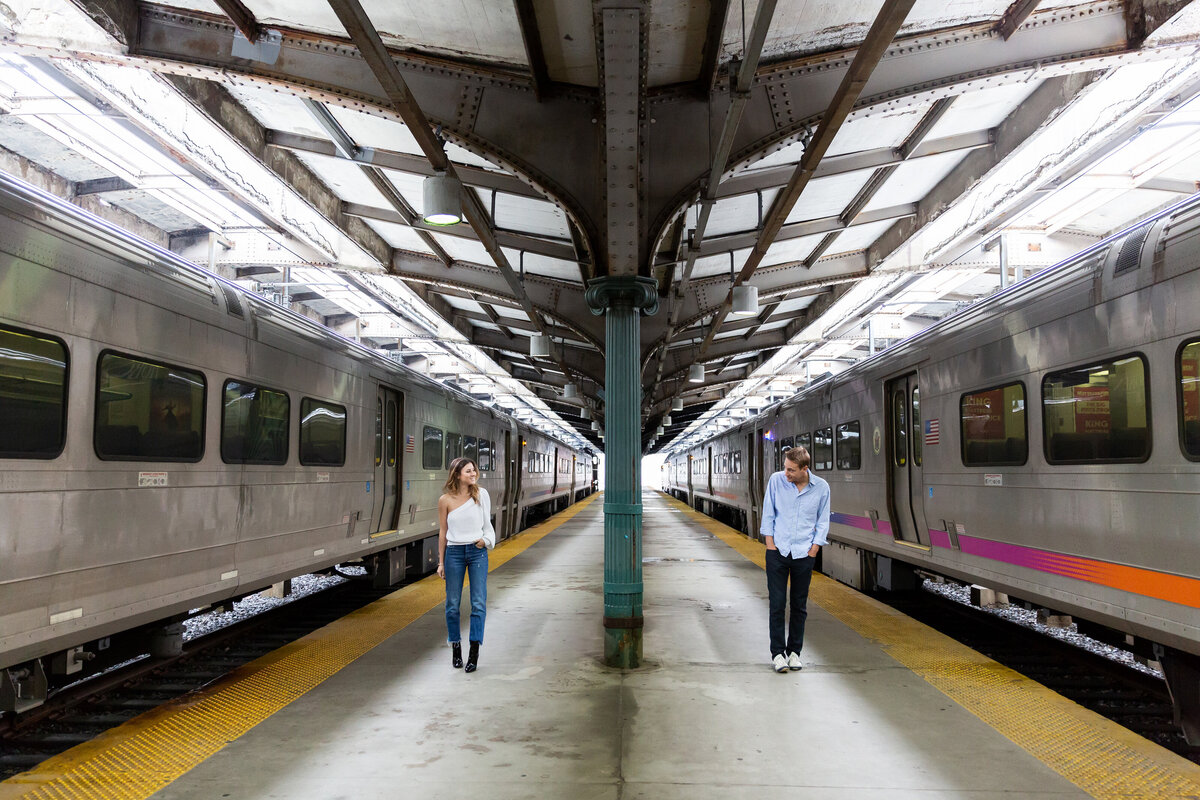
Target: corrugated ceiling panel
<point>345,179</point>
<point>913,180</point>
<point>401,237</point>
<point>542,265</point>
<point>536,217</point>
<point>858,237</point>
<point>978,111</point>
<point>828,197</point>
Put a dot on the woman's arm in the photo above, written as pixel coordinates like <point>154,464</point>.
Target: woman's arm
<point>488,539</point>
<point>443,511</point>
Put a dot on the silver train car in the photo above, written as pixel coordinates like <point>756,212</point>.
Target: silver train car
<point>1043,443</point>
<point>169,441</point>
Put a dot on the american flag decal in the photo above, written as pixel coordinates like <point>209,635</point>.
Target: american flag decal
<point>933,429</point>
<point>410,444</point>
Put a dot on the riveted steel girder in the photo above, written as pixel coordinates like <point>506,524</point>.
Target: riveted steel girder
<point>788,99</point>
<point>552,298</point>
<point>705,295</point>
<point>556,142</point>
<point>585,363</point>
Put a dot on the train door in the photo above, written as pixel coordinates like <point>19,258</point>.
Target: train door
<point>510,486</point>
<point>574,472</point>
<point>708,472</point>
<point>904,451</point>
<point>518,468</point>
<point>754,459</point>
<point>389,411</point>
<point>691,467</point>
<point>555,467</point>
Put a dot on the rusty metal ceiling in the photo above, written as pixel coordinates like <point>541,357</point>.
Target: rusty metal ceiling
<point>816,150</point>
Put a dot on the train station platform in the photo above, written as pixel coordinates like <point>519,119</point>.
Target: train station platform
<point>369,707</point>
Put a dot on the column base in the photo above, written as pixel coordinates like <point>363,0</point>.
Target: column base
<point>623,647</point>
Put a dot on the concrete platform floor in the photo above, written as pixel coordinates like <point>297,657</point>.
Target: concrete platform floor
<point>706,717</point>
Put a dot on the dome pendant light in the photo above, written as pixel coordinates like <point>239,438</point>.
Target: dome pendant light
<point>745,300</point>
<point>539,346</point>
<point>443,202</point>
<point>696,373</point>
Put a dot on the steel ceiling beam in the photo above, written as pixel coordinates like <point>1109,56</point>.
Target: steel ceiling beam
<point>889,20</point>
<point>346,147</point>
<point>547,297</point>
<point>809,227</point>
<point>1015,16</point>
<point>408,217</point>
<point>354,19</point>
<point>242,18</point>
<point>757,180</point>
<point>401,162</point>
<point>499,109</point>
<point>739,98</point>
<point>531,36</point>
<point>710,61</point>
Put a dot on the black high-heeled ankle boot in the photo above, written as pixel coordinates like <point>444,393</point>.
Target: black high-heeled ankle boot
<point>456,654</point>
<point>472,657</point>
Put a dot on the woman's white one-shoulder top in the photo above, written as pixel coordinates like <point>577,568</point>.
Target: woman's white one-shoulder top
<point>471,522</point>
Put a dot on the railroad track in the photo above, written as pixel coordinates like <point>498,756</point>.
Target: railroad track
<point>82,711</point>
<point>1129,697</point>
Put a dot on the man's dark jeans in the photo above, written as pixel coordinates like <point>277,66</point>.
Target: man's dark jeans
<point>779,569</point>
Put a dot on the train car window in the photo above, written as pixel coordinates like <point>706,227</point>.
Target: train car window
<point>787,444</point>
<point>379,433</point>
<point>322,433</point>
<point>147,411</point>
<point>1097,413</point>
<point>914,419</point>
<point>900,428</point>
<point>1189,399</point>
<point>737,462</point>
<point>822,458</point>
<point>453,447</point>
<point>471,448</point>
<point>254,424</point>
<point>431,448</point>
<point>33,395</point>
<point>849,445</point>
<point>389,433</point>
<point>993,425</point>
<point>485,455</point>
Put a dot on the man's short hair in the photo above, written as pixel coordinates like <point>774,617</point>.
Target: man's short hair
<point>798,456</point>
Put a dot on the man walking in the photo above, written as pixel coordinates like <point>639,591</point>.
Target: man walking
<point>795,523</point>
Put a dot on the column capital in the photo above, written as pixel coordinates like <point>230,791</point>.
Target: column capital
<point>622,290</point>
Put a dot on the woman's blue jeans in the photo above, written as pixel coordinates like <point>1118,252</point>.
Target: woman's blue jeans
<point>463,560</point>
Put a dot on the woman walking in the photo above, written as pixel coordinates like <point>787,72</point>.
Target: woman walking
<point>464,538</point>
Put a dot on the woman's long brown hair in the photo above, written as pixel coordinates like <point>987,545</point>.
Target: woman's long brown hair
<point>453,484</point>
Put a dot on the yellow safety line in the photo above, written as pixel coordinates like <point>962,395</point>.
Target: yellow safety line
<point>143,755</point>
<point>1097,755</point>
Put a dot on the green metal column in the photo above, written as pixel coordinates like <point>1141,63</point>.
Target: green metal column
<point>623,299</point>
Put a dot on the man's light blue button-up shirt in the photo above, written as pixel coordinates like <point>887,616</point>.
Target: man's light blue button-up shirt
<point>796,520</point>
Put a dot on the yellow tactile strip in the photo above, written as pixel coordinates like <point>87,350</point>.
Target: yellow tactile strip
<point>1097,755</point>
<point>147,753</point>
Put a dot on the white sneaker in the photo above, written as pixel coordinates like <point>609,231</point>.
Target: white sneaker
<point>794,662</point>
<point>781,663</point>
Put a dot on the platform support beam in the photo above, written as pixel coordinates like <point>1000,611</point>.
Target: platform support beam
<point>622,299</point>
